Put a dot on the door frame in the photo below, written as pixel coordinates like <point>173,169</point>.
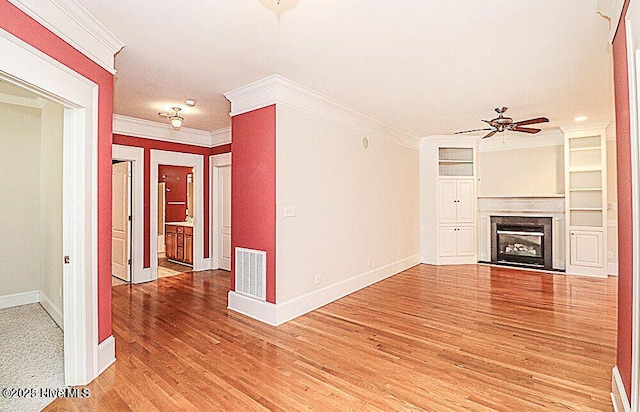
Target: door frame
<point>135,155</point>
<point>216,162</point>
<point>27,67</point>
<point>163,157</point>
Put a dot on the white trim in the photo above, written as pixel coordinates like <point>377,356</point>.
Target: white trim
<point>36,103</point>
<point>215,162</point>
<point>53,310</point>
<point>632,22</point>
<point>106,354</point>
<point>515,141</point>
<point>74,24</point>
<point>136,156</point>
<point>612,268</point>
<point>131,126</point>
<point>161,157</point>
<point>277,314</point>
<point>276,89</point>
<point>619,397</point>
<point>18,299</point>
<point>27,67</point>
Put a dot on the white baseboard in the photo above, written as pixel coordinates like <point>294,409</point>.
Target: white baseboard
<point>160,243</point>
<point>277,314</point>
<point>612,269</point>
<point>207,264</point>
<point>52,310</point>
<point>143,276</point>
<point>618,393</point>
<point>17,299</point>
<point>106,353</point>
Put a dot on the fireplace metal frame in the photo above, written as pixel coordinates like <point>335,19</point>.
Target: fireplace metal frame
<point>526,222</point>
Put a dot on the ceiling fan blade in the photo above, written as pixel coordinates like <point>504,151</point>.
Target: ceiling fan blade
<point>490,134</point>
<point>532,121</point>
<point>525,129</point>
<point>474,130</point>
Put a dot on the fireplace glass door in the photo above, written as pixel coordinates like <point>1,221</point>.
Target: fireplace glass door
<point>523,244</point>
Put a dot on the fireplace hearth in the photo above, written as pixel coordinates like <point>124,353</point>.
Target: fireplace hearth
<point>521,240</point>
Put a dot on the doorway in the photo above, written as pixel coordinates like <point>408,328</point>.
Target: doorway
<point>221,222</point>
<point>32,70</point>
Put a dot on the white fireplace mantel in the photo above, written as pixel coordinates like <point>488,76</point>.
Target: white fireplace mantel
<point>530,206</point>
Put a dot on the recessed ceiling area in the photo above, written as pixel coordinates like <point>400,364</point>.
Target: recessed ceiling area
<point>425,67</point>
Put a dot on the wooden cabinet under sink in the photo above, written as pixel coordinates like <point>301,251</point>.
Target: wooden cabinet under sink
<point>179,243</point>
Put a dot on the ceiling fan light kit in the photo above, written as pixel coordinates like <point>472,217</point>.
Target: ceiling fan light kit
<point>175,119</point>
<point>503,123</point>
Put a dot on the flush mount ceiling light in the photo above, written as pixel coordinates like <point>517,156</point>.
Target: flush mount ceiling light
<point>279,7</point>
<point>175,119</point>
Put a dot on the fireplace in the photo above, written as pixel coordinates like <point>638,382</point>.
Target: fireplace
<point>521,240</point>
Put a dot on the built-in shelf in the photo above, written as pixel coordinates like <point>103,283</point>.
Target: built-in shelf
<point>585,169</point>
<point>583,149</point>
<point>587,189</point>
<point>597,209</point>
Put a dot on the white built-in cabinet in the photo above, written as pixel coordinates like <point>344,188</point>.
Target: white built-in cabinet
<point>448,200</point>
<point>586,200</point>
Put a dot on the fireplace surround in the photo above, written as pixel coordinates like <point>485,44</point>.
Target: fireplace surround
<point>522,240</point>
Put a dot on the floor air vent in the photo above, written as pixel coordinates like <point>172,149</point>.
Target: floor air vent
<point>251,273</point>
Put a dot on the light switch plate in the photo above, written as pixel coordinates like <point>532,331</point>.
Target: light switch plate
<point>289,211</point>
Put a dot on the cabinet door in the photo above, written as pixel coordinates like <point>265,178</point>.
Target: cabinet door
<point>447,197</point>
<point>447,241</point>
<point>171,245</point>
<point>587,248</point>
<point>466,241</point>
<point>465,205</point>
<point>188,249</point>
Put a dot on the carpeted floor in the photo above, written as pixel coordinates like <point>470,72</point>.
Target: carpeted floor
<point>31,355</point>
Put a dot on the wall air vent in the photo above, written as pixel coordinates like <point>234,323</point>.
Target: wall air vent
<point>251,273</point>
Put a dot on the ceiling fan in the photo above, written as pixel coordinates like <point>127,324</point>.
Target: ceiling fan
<point>503,123</point>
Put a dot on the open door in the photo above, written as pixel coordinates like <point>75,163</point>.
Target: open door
<point>224,217</point>
<point>121,220</point>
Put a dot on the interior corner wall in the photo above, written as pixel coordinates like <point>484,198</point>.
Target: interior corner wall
<point>625,207</point>
<point>19,191</point>
<point>152,144</point>
<point>357,209</point>
<point>51,210</point>
<point>30,31</point>
<point>518,172</point>
<point>253,189</point>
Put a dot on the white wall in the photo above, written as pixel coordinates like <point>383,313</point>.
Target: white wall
<point>19,199</point>
<point>357,210</point>
<point>51,255</point>
<point>516,172</point>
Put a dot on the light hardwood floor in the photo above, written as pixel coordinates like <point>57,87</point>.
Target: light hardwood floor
<point>463,338</point>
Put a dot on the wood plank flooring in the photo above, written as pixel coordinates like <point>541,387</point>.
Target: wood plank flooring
<point>463,338</point>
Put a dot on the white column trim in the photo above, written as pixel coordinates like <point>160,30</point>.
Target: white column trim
<point>135,155</point>
<point>162,157</point>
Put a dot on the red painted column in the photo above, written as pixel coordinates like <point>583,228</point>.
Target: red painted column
<point>253,188</point>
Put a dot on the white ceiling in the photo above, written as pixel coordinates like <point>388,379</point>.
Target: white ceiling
<point>428,67</point>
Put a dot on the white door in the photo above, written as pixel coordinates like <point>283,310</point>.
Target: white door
<point>446,241</point>
<point>465,201</point>
<point>466,241</point>
<point>120,215</point>
<point>447,201</point>
<point>224,217</point>
<point>586,248</point>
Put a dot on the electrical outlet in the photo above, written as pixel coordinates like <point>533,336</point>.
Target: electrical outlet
<point>610,255</point>
<point>289,211</point>
<point>318,279</point>
<point>369,262</point>
<point>399,252</point>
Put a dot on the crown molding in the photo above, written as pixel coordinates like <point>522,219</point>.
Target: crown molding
<point>612,10</point>
<point>74,24</point>
<point>276,89</point>
<point>131,126</point>
<point>35,103</point>
<point>600,126</point>
<point>500,141</point>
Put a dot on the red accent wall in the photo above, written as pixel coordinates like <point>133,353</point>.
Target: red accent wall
<point>175,180</point>
<point>148,145</point>
<point>625,229</point>
<point>253,188</point>
<point>24,27</point>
